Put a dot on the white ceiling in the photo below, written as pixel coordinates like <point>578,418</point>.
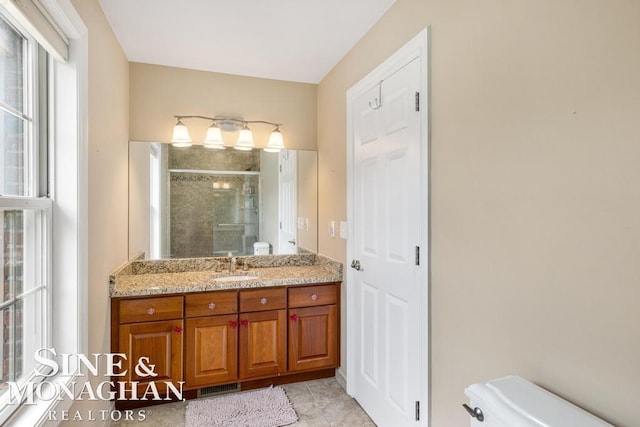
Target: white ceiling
<point>296,40</point>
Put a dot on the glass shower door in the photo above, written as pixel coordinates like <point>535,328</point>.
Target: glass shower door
<point>236,215</point>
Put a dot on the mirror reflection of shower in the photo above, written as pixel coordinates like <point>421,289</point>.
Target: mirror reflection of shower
<point>236,213</point>
<point>215,209</point>
<point>212,213</point>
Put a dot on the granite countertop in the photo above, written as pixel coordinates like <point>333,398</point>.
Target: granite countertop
<point>139,278</point>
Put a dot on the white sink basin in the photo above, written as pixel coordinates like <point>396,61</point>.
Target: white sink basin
<point>234,278</point>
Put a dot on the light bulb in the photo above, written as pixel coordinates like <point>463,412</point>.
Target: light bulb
<point>214,137</point>
<point>276,143</point>
<point>181,137</point>
<point>245,139</point>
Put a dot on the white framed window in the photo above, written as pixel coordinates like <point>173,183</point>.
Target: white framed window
<point>25,211</point>
<point>47,191</point>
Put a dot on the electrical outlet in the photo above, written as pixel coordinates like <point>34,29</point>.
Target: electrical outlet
<point>332,229</point>
<point>343,230</point>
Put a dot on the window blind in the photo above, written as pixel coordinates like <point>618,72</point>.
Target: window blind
<point>33,15</point>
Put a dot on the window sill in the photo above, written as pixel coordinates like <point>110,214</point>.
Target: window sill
<point>38,413</point>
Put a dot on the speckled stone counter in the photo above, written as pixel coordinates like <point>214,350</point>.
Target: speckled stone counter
<point>139,278</point>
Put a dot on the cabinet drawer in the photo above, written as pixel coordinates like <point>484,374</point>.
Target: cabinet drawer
<point>309,296</point>
<point>211,303</point>
<point>262,299</point>
<point>150,309</point>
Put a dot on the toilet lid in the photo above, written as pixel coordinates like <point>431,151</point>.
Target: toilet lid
<point>516,401</point>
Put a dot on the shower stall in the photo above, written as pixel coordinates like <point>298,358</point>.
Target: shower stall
<point>213,202</point>
<point>213,213</point>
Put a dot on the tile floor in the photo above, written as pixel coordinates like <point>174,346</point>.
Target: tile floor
<point>317,403</point>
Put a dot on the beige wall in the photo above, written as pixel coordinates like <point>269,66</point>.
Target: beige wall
<point>534,191</point>
<point>158,93</point>
<point>107,152</point>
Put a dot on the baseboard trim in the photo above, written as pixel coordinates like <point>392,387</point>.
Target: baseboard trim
<point>341,378</point>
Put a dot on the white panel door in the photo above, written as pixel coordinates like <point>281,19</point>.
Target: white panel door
<point>388,221</point>
<point>288,201</point>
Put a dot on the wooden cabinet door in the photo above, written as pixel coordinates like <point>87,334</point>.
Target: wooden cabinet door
<point>160,343</point>
<point>313,338</point>
<point>263,344</point>
<point>211,350</point>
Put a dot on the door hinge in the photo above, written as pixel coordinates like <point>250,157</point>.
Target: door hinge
<point>417,410</point>
<point>280,225</point>
<point>417,101</point>
<point>417,255</point>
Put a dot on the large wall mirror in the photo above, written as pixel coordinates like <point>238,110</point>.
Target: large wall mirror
<point>200,202</point>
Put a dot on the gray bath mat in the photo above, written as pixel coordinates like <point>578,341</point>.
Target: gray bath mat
<point>269,407</point>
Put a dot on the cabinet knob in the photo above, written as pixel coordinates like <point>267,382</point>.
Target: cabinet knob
<point>293,317</point>
<point>263,301</point>
<point>244,323</point>
<point>212,306</point>
<point>233,324</point>
<point>314,297</point>
<point>177,329</point>
<point>151,311</point>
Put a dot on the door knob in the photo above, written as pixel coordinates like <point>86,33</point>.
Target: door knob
<point>293,242</point>
<point>355,264</point>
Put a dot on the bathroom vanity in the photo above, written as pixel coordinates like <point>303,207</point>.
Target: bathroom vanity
<point>278,322</point>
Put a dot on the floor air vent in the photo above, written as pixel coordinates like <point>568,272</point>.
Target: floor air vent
<point>218,389</point>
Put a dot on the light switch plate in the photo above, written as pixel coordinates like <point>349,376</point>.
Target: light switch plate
<point>332,229</point>
<point>306,224</point>
<point>344,231</point>
<point>300,223</point>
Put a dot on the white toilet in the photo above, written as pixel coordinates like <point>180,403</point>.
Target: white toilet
<point>515,402</point>
<point>261,248</point>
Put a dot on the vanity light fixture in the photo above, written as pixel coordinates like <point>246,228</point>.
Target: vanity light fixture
<point>181,137</point>
<point>245,139</point>
<point>276,143</point>
<point>213,139</point>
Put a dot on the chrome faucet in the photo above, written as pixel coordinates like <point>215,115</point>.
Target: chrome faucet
<point>232,263</point>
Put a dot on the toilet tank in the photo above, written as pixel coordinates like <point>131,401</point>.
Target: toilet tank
<point>515,402</point>
<point>261,248</point>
